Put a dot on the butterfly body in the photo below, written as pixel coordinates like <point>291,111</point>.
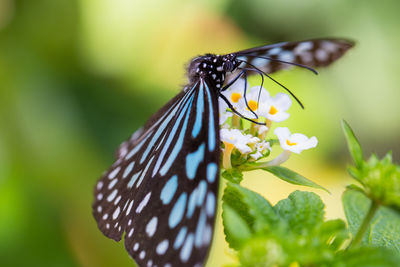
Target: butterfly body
<point>161,192</point>
<point>212,68</point>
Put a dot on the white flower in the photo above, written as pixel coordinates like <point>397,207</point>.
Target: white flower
<point>276,108</point>
<point>294,142</point>
<point>223,113</point>
<point>256,99</point>
<point>235,93</point>
<point>260,148</point>
<point>237,139</point>
<point>262,129</point>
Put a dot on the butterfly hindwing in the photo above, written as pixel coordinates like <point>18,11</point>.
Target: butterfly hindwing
<point>162,190</point>
<point>311,53</point>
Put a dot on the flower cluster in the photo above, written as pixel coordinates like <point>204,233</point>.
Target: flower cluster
<point>249,142</point>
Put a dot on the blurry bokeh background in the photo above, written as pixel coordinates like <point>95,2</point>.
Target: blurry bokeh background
<point>79,76</point>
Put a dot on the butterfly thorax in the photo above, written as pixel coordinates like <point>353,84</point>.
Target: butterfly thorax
<point>212,68</point>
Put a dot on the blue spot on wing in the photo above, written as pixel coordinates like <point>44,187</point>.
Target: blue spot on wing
<point>210,204</point>
<point>192,203</point>
<point>133,179</point>
<point>180,237</point>
<point>211,127</point>
<point>211,172</point>
<point>200,229</point>
<point>199,112</point>
<point>193,160</point>
<point>169,189</point>
<point>177,211</point>
<point>170,137</point>
<point>179,142</point>
<point>160,129</point>
<point>201,193</point>
<point>187,248</point>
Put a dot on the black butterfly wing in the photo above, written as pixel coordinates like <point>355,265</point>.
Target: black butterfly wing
<point>130,143</point>
<point>311,53</point>
<point>162,191</point>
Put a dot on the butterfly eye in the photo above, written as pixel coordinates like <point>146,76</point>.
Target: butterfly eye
<point>228,66</point>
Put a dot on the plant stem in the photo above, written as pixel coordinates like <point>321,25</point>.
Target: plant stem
<point>366,222</point>
<point>281,158</point>
<point>236,121</point>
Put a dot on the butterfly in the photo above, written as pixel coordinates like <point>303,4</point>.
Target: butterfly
<point>161,192</point>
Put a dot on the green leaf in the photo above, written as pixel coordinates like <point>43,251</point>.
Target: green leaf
<point>234,200</point>
<point>353,144</point>
<point>334,232</point>
<point>235,228</point>
<point>304,211</point>
<point>262,252</point>
<point>381,180</point>
<point>256,206</point>
<point>292,177</point>
<point>384,229</point>
<point>233,175</point>
<point>367,257</point>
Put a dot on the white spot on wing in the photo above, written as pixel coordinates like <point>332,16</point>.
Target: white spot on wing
<point>328,46</point>
<point>100,185</point>
<point>112,195</point>
<point>129,209</point>
<point>302,47</point>
<point>117,200</point>
<point>162,247</point>
<point>128,169</point>
<point>143,203</point>
<point>130,232</point>
<point>151,226</point>
<point>116,213</point>
<point>112,183</point>
<point>207,234</point>
<point>321,55</point>
<point>114,173</point>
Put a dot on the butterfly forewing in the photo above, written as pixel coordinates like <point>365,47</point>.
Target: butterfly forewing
<point>311,53</point>
<point>162,190</point>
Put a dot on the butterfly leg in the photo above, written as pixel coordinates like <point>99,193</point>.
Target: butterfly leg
<point>238,113</point>
<point>232,81</point>
<point>245,93</point>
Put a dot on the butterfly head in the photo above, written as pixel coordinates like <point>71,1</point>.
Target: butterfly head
<point>212,67</point>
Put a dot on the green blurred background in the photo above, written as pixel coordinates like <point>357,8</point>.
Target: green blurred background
<point>79,76</point>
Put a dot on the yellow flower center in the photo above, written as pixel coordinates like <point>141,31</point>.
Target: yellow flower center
<point>273,110</point>
<point>253,105</point>
<point>229,146</point>
<point>235,97</point>
<point>290,143</point>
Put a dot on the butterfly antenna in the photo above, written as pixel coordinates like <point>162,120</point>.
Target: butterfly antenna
<point>245,95</point>
<point>238,113</point>
<point>281,85</point>
<point>262,81</point>
<point>287,62</point>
